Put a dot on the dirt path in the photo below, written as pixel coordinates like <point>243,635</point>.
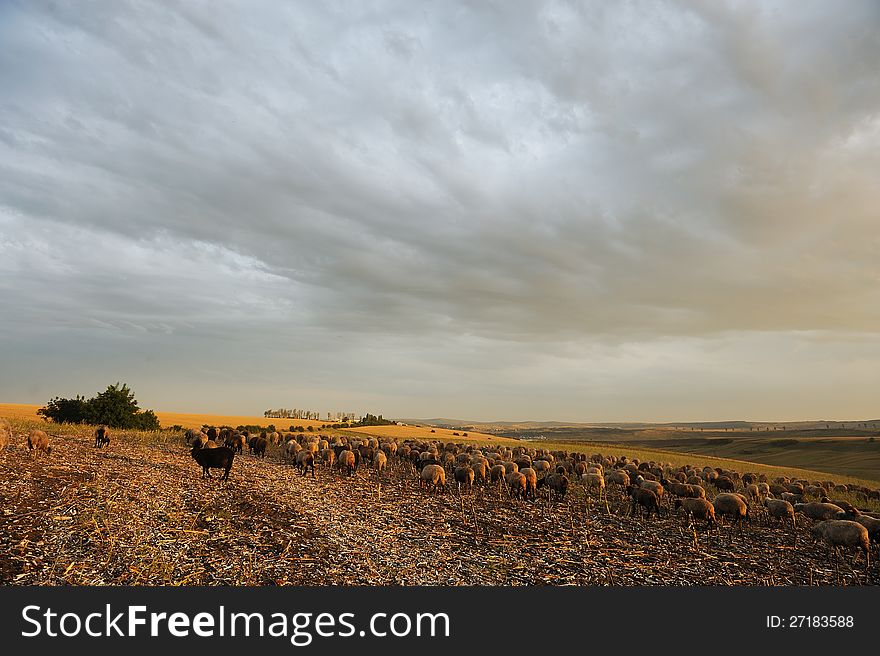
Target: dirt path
<point>138,514</point>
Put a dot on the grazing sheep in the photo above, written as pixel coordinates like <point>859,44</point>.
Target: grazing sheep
<point>654,486</point>
<point>235,442</point>
<point>873,526</point>
<point>346,461</point>
<point>699,509</point>
<point>102,437</point>
<point>199,440</point>
<point>818,510</point>
<point>258,446</point>
<point>219,458</point>
<point>464,476</point>
<point>724,483</point>
<point>617,477</point>
<point>846,506</point>
<point>380,461</point>
<point>516,484</point>
<point>644,498</point>
<point>594,481</point>
<point>732,505</point>
<point>497,473</point>
<point>38,441</point>
<point>433,477</point>
<point>558,484</point>
<point>844,533</point>
<point>210,444</point>
<point>531,481</point>
<point>5,433</point>
<point>780,509</point>
<point>305,461</point>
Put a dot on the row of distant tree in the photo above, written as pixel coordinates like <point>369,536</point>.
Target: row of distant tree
<point>116,407</point>
<point>294,413</point>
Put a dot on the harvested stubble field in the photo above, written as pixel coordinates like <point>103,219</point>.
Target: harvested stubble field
<point>138,513</point>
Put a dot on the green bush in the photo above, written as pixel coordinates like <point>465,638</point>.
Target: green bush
<point>115,407</point>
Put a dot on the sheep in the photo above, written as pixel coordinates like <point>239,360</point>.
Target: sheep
<point>654,486</point>
<point>557,483</point>
<point>594,481</point>
<point>873,526</point>
<point>380,461</point>
<point>192,434</point>
<point>617,477</point>
<point>38,441</point>
<point>645,498</point>
<point>5,433</point>
<point>724,483</point>
<point>780,509</point>
<point>199,440</point>
<point>219,458</point>
<point>210,444</point>
<point>346,461</point>
<point>531,481</point>
<point>732,505</point>
<point>236,442</point>
<point>433,477</point>
<point>102,437</point>
<point>497,473</point>
<point>818,510</point>
<point>844,533</point>
<point>464,476</point>
<point>699,509</point>
<point>305,461</point>
<point>517,484</point>
<point>846,506</point>
<point>258,446</point>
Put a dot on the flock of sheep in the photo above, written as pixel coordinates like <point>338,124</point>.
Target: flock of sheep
<point>523,472</point>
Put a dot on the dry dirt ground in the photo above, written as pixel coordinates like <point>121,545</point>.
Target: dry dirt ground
<point>141,515</point>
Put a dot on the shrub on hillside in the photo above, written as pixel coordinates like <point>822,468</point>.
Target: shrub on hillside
<point>115,407</point>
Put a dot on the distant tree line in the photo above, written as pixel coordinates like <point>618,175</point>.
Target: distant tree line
<point>115,407</point>
<point>314,415</point>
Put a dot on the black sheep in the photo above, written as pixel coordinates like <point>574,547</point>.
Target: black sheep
<point>219,458</point>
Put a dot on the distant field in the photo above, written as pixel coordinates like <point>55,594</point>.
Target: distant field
<point>168,419</point>
<point>424,433</point>
<point>840,452</point>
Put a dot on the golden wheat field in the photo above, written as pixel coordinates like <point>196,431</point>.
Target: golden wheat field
<point>168,419</point>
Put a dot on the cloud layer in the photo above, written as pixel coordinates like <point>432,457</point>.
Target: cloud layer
<point>491,210</point>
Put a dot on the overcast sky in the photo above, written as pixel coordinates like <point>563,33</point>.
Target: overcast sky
<point>483,210</point>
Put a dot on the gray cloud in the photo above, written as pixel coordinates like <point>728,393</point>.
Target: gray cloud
<point>582,211</point>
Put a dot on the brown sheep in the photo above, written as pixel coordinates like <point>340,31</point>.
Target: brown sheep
<point>732,505</point>
<point>557,483</point>
<point>594,481</point>
<point>617,477</point>
<point>844,533</point>
<point>780,509</point>
<point>346,461</point>
<point>464,476</point>
<point>305,461</point>
<point>699,509</point>
<point>644,498</point>
<point>516,484</point>
<point>102,437</point>
<point>818,510</point>
<point>497,473</point>
<point>5,433</point>
<point>531,481</point>
<point>380,461</point>
<point>38,441</point>
<point>433,477</point>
